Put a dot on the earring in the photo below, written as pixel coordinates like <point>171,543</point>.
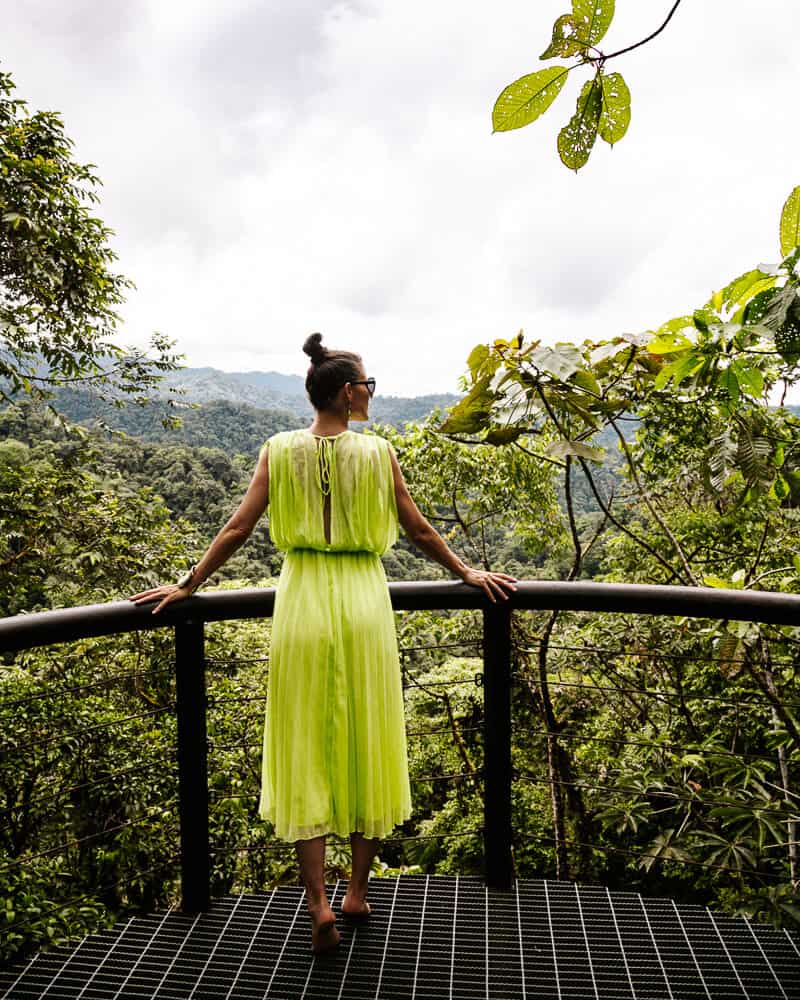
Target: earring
<point>348,409</point>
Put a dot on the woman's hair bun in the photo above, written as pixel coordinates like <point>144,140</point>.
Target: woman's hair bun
<point>314,349</point>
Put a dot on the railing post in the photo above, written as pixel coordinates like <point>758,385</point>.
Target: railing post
<point>497,745</point>
<point>190,685</point>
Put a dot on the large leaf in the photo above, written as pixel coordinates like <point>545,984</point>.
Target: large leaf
<point>525,99</point>
<point>565,41</point>
<point>592,18</point>
<point>729,383</point>
<point>742,290</point>
<point>669,343</point>
<point>722,455</point>
<point>576,139</point>
<point>790,222</point>
<point>677,370</point>
<point>586,380</point>
<point>750,380</point>
<point>560,449</point>
<point>560,361</point>
<point>616,114</point>
<point>470,413</point>
<point>504,435</point>
<point>608,350</point>
<point>477,356</point>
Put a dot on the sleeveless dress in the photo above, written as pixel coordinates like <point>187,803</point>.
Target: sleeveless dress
<point>334,752</point>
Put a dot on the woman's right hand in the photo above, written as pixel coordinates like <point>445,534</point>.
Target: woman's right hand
<point>167,593</point>
<point>492,583</point>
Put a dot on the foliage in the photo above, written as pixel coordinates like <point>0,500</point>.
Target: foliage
<point>497,505</point>
<point>604,103</point>
<point>58,294</point>
<point>709,496</point>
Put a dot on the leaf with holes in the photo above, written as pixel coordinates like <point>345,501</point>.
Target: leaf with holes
<point>616,114</point>
<point>525,99</point>
<point>576,139</point>
<point>790,222</point>
<point>738,295</point>
<point>592,18</point>
<point>750,380</point>
<point>565,41</point>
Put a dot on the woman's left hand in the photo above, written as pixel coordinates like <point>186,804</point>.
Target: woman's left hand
<point>492,583</point>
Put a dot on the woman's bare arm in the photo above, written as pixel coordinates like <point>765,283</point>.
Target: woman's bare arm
<point>422,534</point>
<point>235,532</point>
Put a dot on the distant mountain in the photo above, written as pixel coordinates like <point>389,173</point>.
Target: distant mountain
<point>274,391</point>
<point>236,428</point>
<point>235,411</point>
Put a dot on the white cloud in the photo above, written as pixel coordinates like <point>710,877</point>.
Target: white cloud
<point>271,169</point>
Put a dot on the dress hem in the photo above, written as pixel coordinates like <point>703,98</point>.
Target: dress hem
<point>369,829</point>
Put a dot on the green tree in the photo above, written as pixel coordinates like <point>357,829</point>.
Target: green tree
<point>710,498</point>
<point>58,292</point>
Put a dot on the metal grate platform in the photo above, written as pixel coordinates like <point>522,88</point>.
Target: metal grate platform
<point>429,937</point>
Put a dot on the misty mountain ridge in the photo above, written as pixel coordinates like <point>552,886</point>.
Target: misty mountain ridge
<point>276,391</point>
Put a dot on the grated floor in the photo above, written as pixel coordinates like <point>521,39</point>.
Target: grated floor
<point>429,937</point>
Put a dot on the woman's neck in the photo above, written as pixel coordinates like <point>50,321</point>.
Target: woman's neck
<point>327,428</point>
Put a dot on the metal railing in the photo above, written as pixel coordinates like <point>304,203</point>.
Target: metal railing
<point>188,620</point>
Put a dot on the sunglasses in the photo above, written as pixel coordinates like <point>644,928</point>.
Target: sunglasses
<point>369,383</point>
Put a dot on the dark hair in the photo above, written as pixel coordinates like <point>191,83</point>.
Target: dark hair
<point>328,371</point>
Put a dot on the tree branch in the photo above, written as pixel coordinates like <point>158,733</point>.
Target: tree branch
<point>603,59</point>
<point>645,496</point>
<point>590,479</point>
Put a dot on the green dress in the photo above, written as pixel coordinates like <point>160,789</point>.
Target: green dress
<point>334,755</point>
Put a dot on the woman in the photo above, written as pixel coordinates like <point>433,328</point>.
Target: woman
<point>334,737</point>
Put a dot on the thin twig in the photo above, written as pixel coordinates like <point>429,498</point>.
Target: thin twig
<point>602,59</point>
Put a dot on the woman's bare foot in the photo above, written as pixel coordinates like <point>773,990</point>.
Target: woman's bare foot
<point>354,905</point>
<point>324,935</point>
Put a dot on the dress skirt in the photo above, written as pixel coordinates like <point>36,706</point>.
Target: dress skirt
<point>334,756</point>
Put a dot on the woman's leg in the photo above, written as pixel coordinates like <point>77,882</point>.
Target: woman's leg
<point>311,860</point>
<point>364,851</point>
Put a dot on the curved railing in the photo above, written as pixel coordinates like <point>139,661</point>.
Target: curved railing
<point>188,619</point>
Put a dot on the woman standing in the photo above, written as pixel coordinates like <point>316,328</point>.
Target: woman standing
<point>334,751</point>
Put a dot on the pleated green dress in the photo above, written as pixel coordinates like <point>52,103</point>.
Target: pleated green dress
<point>334,756</point>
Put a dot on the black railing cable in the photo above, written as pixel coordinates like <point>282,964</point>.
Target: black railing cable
<point>220,661</point>
<point>416,733</point>
<point>212,701</point>
<point>440,645</point>
<point>662,793</point>
<point>652,745</point>
<point>245,848</point>
<point>642,653</point>
<point>24,860</point>
<point>424,685</point>
<point>219,794</point>
<point>604,849</point>
<point>69,789</point>
<point>75,733</point>
<point>657,695</point>
<point>52,691</point>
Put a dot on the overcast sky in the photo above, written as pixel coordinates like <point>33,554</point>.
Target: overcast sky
<point>277,167</point>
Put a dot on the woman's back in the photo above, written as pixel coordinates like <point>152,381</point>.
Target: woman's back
<point>331,493</point>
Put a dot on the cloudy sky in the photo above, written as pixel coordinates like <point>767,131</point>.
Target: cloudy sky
<point>282,166</point>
